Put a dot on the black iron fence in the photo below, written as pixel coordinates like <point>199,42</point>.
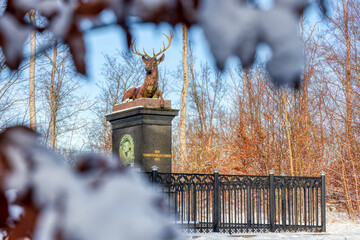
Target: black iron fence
<point>242,203</point>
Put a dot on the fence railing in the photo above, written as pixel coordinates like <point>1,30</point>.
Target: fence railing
<point>243,203</point>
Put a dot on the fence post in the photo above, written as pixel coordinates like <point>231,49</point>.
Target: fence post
<point>154,174</point>
<point>323,203</point>
<point>283,202</point>
<point>272,201</point>
<point>194,201</point>
<point>216,216</point>
<point>248,207</point>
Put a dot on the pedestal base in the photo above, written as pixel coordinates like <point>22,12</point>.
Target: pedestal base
<point>142,133</point>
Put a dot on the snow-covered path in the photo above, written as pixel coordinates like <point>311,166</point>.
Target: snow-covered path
<point>335,231</point>
<point>338,228</point>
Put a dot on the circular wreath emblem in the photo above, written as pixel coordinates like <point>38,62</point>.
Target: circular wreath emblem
<point>126,150</point>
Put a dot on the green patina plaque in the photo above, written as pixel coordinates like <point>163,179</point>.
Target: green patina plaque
<point>126,150</point>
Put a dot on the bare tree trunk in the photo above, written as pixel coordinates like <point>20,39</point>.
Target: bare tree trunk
<point>53,100</point>
<point>32,109</point>
<point>288,136</point>
<point>348,87</point>
<point>349,90</point>
<point>184,92</point>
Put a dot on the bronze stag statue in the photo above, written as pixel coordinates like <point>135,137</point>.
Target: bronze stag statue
<point>149,89</point>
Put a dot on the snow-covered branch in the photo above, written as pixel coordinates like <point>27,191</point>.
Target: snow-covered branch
<point>232,27</point>
<point>98,200</point>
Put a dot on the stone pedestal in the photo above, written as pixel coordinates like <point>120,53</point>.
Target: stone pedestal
<point>142,133</point>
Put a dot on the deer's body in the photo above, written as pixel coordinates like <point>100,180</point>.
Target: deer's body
<point>150,87</point>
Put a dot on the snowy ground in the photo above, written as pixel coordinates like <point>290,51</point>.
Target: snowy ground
<point>338,228</point>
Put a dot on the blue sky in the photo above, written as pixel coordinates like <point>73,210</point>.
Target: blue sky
<point>107,40</point>
<point>148,36</point>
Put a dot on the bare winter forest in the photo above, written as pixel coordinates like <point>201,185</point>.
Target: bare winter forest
<point>239,121</point>
<point>248,126</point>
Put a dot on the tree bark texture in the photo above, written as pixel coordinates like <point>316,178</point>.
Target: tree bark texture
<point>184,92</point>
<point>32,109</point>
<point>54,101</point>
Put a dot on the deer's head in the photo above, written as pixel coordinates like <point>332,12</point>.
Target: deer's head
<point>152,62</point>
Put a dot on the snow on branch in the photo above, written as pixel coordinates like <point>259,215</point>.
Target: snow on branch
<point>98,200</point>
<point>232,27</point>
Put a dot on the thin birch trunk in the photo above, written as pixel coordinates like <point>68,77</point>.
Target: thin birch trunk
<point>32,109</point>
<point>346,186</point>
<point>288,136</point>
<point>184,92</point>
<point>53,100</point>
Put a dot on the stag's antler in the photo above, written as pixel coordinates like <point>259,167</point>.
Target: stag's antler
<point>165,48</point>
<point>135,51</point>
<point>133,46</point>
